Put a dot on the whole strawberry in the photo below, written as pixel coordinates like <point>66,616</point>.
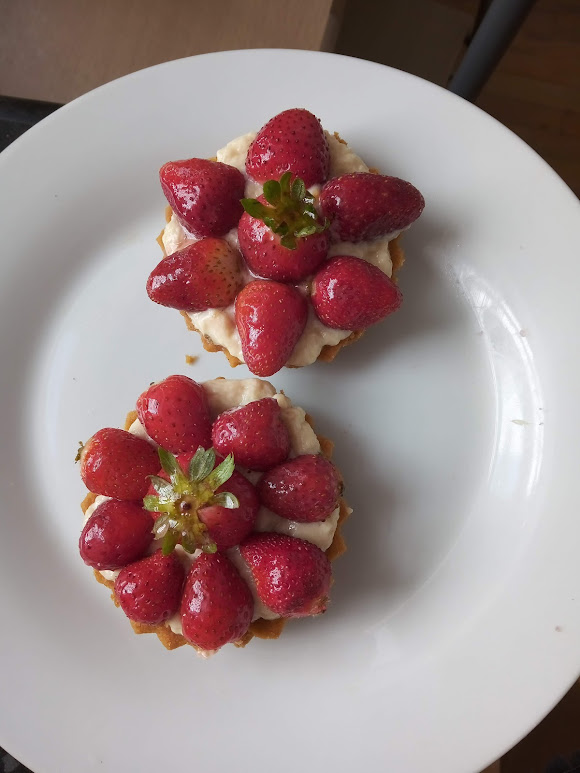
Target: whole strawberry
<point>175,414</point>
<point>217,605</point>
<point>270,318</point>
<point>305,489</point>
<point>117,533</point>
<point>363,206</point>
<point>149,591</point>
<point>203,275</point>
<point>254,433</point>
<point>285,241</point>
<point>205,195</point>
<point>193,505</point>
<point>229,526</point>
<point>226,525</point>
<point>351,294</point>
<point>292,576</point>
<point>291,141</point>
<point>117,464</point>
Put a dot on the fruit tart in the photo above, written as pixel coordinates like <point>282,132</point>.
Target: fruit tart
<point>285,247</point>
<point>214,515</point>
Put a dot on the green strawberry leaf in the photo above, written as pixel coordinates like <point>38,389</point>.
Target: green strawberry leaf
<point>221,474</point>
<point>298,189</point>
<point>288,241</point>
<point>201,464</point>
<point>272,191</point>
<point>254,208</point>
<point>170,540</point>
<point>225,499</point>
<point>168,461</point>
<point>163,488</point>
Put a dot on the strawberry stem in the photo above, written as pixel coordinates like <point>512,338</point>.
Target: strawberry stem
<point>291,214</point>
<point>180,498</point>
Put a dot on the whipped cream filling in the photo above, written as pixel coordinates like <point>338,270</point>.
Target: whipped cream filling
<point>219,324</point>
<point>224,394</point>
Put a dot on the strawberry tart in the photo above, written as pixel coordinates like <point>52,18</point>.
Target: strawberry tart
<point>214,515</point>
<point>284,248</point>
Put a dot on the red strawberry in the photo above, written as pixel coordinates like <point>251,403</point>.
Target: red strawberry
<point>351,294</point>
<point>291,141</point>
<point>292,576</point>
<point>175,414</point>
<point>254,433</point>
<point>362,205</point>
<point>217,605</point>
<point>117,464</point>
<point>203,275</point>
<point>205,195</point>
<point>270,318</point>
<point>228,527</point>
<point>149,590</point>
<point>267,257</point>
<point>304,489</point>
<point>117,533</point>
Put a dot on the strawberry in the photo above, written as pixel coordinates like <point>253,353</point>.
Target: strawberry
<point>175,414</point>
<point>254,433</point>
<point>305,489</point>
<point>205,195</point>
<point>217,605</point>
<point>285,241</point>
<point>362,205</point>
<point>351,294</point>
<point>292,576</point>
<point>117,464</point>
<point>190,485</point>
<point>203,275</point>
<point>117,533</point>
<point>229,526</point>
<point>292,141</point>
<point>270,318</point>
<point>149,591</point>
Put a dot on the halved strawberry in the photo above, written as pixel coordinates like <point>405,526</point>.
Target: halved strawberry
<point>363,206</point>
<point>117,533</point>
<point>175,414</point>
<point>203,275</point>
<point>149,590</point>
<point>349,293</point>
<point>205,195</point>
<point>292,141</point>
<point>217,605</point>
<point>254,433</point>
<point>270,318</point>
<point>117,464</point>
<point>292,576</point>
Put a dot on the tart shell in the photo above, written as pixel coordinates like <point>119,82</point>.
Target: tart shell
<point>261,628</point>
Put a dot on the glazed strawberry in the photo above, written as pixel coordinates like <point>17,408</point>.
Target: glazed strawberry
<point>175,414</point>
<point>205,195</point>
<point>217,605</point>
<point>305,489</point>
<point>281,235</point>
<point>362,205</point>
<point>291,141</point>
<point>292,576</point>
<point>191,484</point>
<point>254,433</point>
<point>149,591</point>
<point>270,318</point>
<point>117,533</point>
<point>229,526</point>
<point>351,294</point>
<point>117,464</point>
<point>203,275</point>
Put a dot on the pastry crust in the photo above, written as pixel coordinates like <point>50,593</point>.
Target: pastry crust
<point>327,353</point>
<point>261,628</point>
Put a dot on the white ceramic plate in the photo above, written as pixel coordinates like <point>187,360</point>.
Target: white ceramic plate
<point>455,624</point>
